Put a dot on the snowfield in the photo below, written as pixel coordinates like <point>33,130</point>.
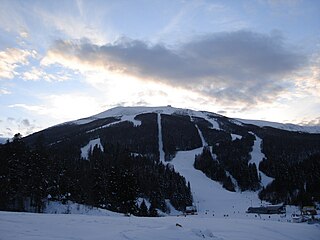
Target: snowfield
<point>31,226</point>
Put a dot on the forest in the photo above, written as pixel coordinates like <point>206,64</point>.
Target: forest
<point>112,179</point>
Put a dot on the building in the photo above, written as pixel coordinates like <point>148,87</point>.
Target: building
<point>271,209</point>
<point>191,210</point>
<point>309,210</point>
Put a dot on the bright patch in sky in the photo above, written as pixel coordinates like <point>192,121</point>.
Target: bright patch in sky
<point>64,60</point>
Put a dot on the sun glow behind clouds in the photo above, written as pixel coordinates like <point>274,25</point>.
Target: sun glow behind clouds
<point>258,94</point>
<point>61,60</point>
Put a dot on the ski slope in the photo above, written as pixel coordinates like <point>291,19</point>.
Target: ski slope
<point>256,157</point>
<point>92,143</point>
<point>31,226</point>
<point>209,196</point>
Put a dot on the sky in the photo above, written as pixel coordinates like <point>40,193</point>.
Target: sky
<point>70,59</point>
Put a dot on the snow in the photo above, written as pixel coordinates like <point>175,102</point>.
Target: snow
<point>235,136</point>
<point>56,207</point>
<point>161,151</point>
<point>256,157</point>
<point>221,215</point>
<point>172,210</point>
<point>203,141</point>
<point>129,113</point>
<point>283,126</point>
<point>210,118</point>
<point>209,196</point>
<point>31,226</point>
<point>90,145</point>
<point>146,201</point>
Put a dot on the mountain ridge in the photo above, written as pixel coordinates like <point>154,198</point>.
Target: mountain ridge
<point>121,111</point>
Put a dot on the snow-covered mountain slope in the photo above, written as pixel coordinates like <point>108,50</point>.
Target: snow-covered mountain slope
<point>3,140</point>
<point>209,196</point>
<point>129,114</point>
<point>25,226</point>
<point>283,126</point>
<point>174,134</point>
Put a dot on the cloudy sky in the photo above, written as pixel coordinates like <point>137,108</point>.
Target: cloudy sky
<point>64,60</point>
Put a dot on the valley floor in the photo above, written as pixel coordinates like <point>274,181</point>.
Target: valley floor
<point>27,226</point>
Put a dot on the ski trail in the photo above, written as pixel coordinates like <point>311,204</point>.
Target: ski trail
<point>160,139</point>
<point>209,196</point>
<point>256,157</point>
<point>204,143</point>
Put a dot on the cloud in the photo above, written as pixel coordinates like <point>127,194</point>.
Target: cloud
<point>63,106</point>
<point>308,78</point>
<point>73,25</point>
<point>4,92</point>
<point>242,66</point>
<point>11,126</point>
<point>12,58</point>
<point>24,34</point>
<point>25,122</point>
<point>38,73</point>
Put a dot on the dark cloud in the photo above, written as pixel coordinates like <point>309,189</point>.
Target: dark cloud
<point>313,122</point>
<point>222,112</point>
<point>240,66</point>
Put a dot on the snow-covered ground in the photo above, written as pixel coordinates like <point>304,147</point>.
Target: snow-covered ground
<point>56,207</point>
<point>31,226</point>
<point>222,216</point>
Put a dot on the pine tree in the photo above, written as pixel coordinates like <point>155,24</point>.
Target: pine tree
<point>143,210</point>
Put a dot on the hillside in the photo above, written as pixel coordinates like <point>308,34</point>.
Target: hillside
<point>166,156</point>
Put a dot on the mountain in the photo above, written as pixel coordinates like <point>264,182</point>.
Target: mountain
<point>161,155</point>
<point>3,140</point>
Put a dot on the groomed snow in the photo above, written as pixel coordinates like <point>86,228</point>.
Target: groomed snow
<point>209,196</point>
<point>160,140</point>
<point>203,141</point>
<point>256,157</point>
<point>31,226</point>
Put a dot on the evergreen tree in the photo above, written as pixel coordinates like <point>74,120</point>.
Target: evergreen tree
<point>143,210</point>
